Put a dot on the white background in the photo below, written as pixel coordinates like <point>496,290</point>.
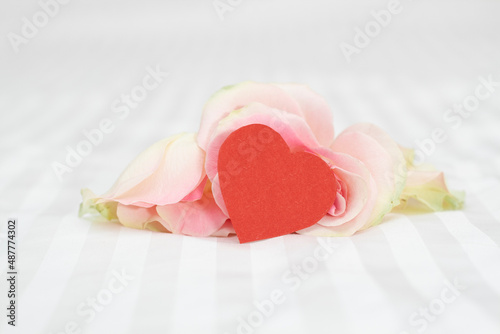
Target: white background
<point>65,78</point>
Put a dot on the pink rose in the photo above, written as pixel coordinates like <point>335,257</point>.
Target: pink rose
<point>174,185</point>
<point>165,188</point>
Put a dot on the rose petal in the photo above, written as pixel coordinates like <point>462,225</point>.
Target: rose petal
<point>226,230</point>
<point>164,174</point>
<point>96,211</point>
<point>315,111</point>
<point>200,218</point>
<point>355,197</point>
<point>383,158</point>
<point>340,205</point>
<point>328,225</point>
<point>231,98</point>
<point>426,189</point>
<point>216,192</point>
<point>197,193</point>
<point>138,217</point>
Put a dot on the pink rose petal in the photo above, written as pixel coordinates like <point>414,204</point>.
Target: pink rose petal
<point>315,111</point>
<point>383,158</point>
<point>165,173</point>
<point>137,217</point>
<point>216,191</point>
<point>200,218</point>
<point>234,97</point>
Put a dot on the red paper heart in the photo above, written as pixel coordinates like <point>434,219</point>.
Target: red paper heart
<point>268,190</point>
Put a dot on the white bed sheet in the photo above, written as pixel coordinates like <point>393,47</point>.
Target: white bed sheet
<point>64,81</point>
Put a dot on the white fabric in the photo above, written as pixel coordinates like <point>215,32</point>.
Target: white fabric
<point>65,81</point>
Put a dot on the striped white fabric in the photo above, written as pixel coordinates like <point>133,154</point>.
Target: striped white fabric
<point>432,273</point>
